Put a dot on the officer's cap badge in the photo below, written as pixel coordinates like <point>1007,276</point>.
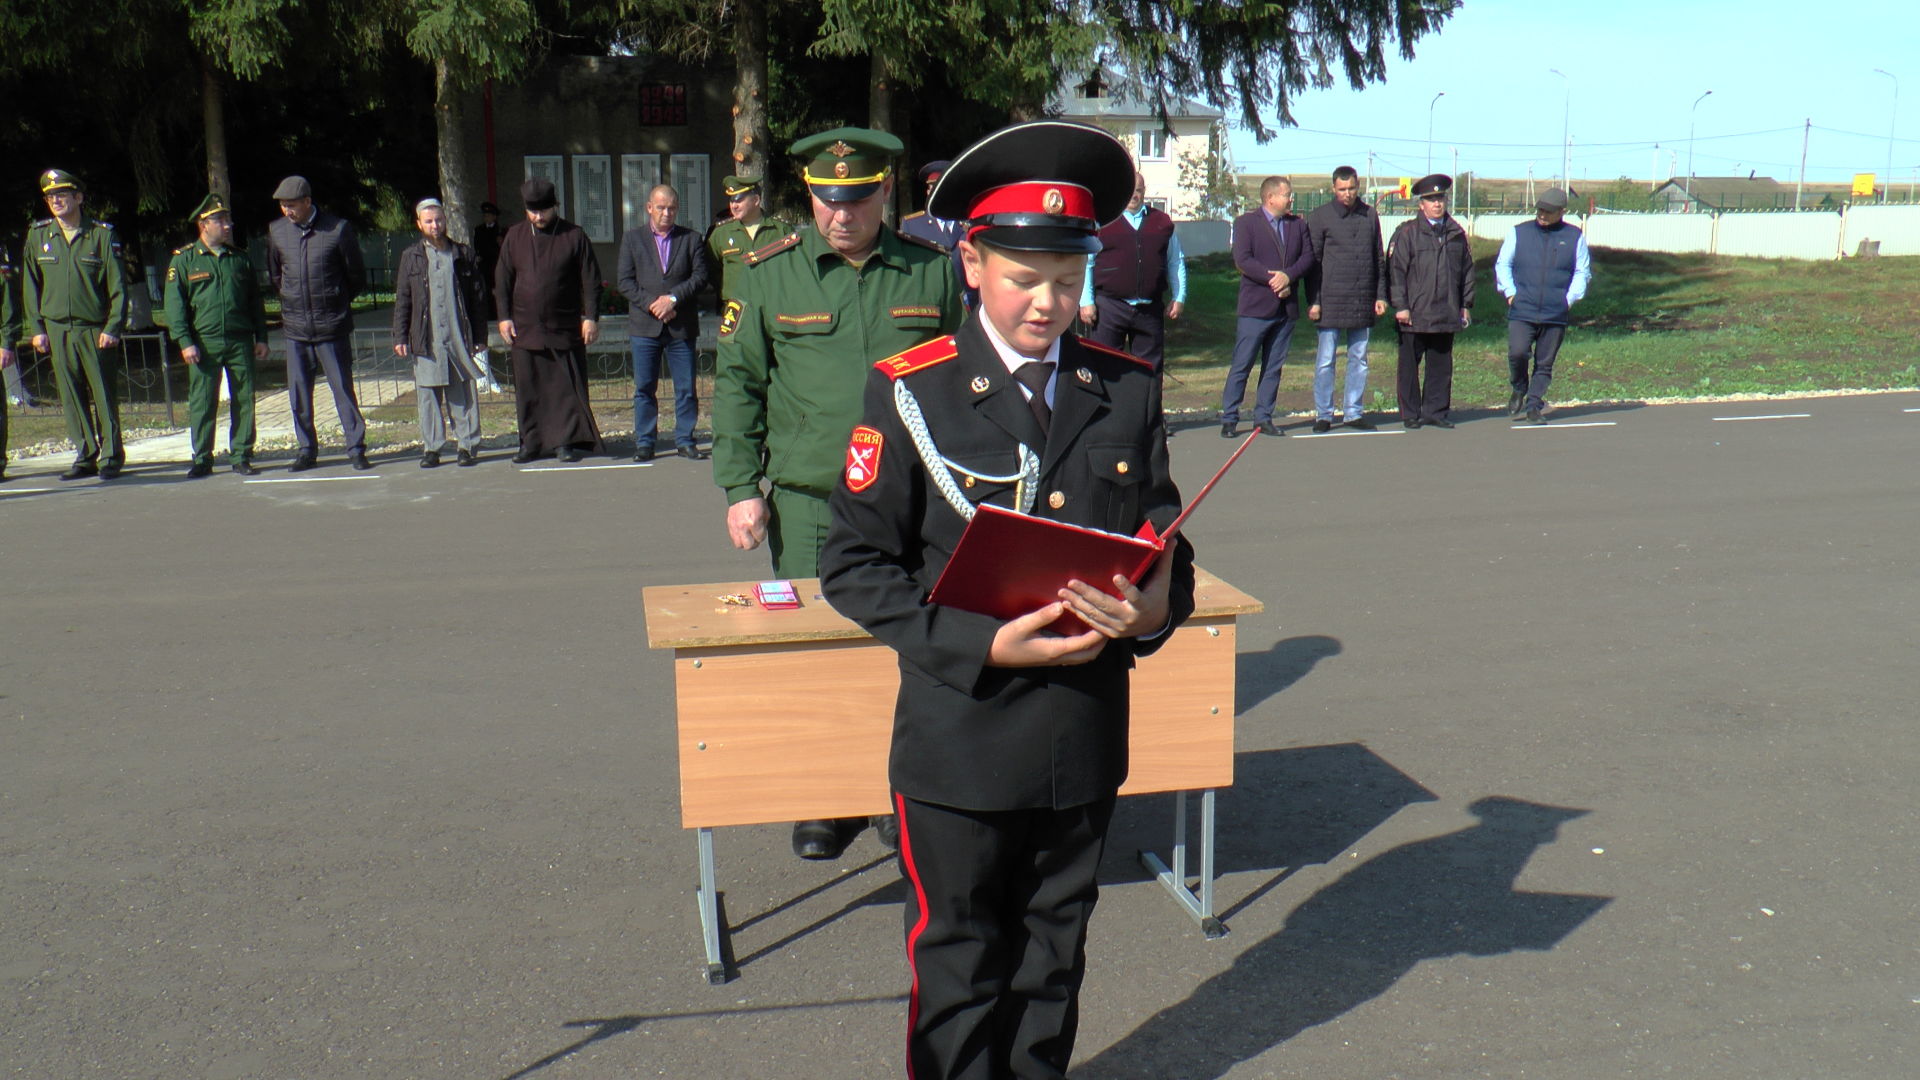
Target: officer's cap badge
<point>840,148</point>
<point>981,384</point>
<point>1053,202</point>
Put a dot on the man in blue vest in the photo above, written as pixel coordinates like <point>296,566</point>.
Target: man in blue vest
<point>1543,269</point>
<point>1137,282</point>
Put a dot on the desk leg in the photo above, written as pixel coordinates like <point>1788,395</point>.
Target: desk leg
<point>1175,880</point>
<point>710,911</point>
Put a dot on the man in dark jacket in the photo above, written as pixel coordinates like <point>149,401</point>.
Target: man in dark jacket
<point>1430,285</point>
<point>1346,292</point>
<point>1542,270</point>
<point>439,320</point>
<point>1271,251</point>
<point>662,269</point>
<point>313,260</point>
<point>547,294</point>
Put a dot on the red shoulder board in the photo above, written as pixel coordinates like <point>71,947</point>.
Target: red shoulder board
<point>774,248</point>
<point>1111,351</point>
<point>920,357</point>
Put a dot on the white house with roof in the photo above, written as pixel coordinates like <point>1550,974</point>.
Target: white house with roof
<point>1118,103</point>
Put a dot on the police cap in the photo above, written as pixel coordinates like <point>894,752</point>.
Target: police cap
<point>1432,184</point>
<point>847,164</point>
<point>1047,185</point>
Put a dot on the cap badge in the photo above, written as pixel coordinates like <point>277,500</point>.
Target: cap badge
<point>839,170</point>
<point>1053,202</point>
<point>840,148</point>
<point>1083,375</point>
<point>980,384</point>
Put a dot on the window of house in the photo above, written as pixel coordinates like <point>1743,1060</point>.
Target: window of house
<point>1157,204</point>
<point>551,167</point>
<point>639,174</point>
<point>1151,142</point>
<point>593,196</point>
<point>691,181</point>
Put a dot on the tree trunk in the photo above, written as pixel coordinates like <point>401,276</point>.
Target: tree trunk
<point>213,118</point>
<point>880,117</point>
<point>450,148</point>
<point>750,133</point>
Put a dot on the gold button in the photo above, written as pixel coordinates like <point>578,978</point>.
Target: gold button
<point>969,481</point>
<point>1121,468</point>
<point>1057,500</point>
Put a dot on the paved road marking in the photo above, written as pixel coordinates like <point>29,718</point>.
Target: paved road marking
<point>311,479</point>
<point>1775,416</point>
<point>586,468</point>
<point>1910,410</point>
<point>1552,424</point>
<point>28,491</point>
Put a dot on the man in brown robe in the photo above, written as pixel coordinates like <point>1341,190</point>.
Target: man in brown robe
<point>547,287</point>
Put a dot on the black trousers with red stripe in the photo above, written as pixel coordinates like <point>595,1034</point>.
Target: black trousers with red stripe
<point>997,909</point>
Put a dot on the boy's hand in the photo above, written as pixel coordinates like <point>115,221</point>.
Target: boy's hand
<point>1136,611</point>
<point>1025,642</point>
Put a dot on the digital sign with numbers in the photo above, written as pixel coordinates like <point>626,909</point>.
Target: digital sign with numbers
<point>663,104</point>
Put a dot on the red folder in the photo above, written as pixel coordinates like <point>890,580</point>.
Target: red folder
<point>1008,563</point>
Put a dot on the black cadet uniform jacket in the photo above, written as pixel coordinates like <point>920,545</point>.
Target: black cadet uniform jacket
<point>964,734</point>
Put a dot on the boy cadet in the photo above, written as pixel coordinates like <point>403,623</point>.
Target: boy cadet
<point>75,296</point>
<point>1009,742</point>
<point>217,319</point>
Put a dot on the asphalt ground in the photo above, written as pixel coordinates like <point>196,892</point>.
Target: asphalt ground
<point>1573,751</point>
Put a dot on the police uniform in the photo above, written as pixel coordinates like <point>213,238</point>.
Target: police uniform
<point>75,290</point>
<point>731,241</point>
<point>1004,779</point>
<point>1429,276</point>
<point>213,304</point>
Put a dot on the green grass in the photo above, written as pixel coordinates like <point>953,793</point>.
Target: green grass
<point>1652,326</point>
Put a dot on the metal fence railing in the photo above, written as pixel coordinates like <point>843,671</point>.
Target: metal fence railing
<point>148,385</point>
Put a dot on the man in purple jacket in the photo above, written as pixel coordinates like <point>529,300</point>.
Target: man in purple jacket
<point>1272,252</point>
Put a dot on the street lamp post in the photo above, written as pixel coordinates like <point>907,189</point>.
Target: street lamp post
<point>1892,118</point>
<point>1692,115</point>
<point>1566,144</point>
<point>1430,105</point>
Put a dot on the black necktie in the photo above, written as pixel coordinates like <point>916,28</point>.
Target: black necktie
<point>1035,376</point>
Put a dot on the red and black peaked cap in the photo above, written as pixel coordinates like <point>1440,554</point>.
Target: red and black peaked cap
<point>1047,185</point>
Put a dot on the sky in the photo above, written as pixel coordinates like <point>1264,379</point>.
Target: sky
<point>1633,71</point>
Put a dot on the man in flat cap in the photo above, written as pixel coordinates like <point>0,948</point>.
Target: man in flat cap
<point>814,310</point>
<point>746,229</point>
<point>74,292</point>
<point>219,323</point>
<point>1009,738</point>
<point>314,263</point>
<point>547,294</point>
<point>1543,270</point>
<point>1430,287</point>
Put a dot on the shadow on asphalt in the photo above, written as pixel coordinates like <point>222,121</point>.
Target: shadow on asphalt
<point>1350,942</point>
<point>1259,676</point>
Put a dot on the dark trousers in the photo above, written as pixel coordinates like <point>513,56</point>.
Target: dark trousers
<point>1264,341</point>
<point>335,358</point>
<point>1435,400</point>
<point>997,909</point>
<point>1542,341</point>
<point>1139,329</point>
<point>88,378</point>
<point>646,383</point>
<point>550,401</point>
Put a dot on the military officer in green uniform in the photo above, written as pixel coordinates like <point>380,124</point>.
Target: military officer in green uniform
<point>215,312</point>
<point>813,313</point>
<point>75,294</point>
<point>748,230</point>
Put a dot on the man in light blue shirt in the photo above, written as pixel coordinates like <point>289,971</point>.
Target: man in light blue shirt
<point>1137,282</point>
<point>1543,269</point>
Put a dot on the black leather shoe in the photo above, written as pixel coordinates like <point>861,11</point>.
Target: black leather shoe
<point>1321,427</point>
<point>818,839</point>
<point>525,456</point>
<point>1411,425</point>
<point>1268,427</point>
<point>80,472</point>
<point>430,459</point>
<point>465,457</point>
<point>1448,424</point>
<point>692,453</point>
<point>887,828</point>
<point>1534,417</point>
<point>569,454</point>
<point>1228,431</point>
<point>359,460</point>
<point>303,463</point>
<point>200,469</point>
<point>245,468</point>
<point>1516,406</point>
<point>1361,423</point>
<point>643,455</point>
<point>109,472</point>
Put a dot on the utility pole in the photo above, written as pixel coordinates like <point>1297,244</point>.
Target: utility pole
<point>1653,176</point>
<point>1805,134</point>
<point>1893,116</point>
<point>1692,116</point>
<point>1369,172</point>
<point>1566,145</point>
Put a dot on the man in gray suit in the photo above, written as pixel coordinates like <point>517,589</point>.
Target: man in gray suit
<point>662,269</point>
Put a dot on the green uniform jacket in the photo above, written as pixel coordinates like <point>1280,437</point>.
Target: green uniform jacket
<point>80,282</point>
<point>795,349</point>
<point>729,244</point>
<point>213,295</point>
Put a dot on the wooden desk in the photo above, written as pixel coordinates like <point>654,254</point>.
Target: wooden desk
<point>787,716</point>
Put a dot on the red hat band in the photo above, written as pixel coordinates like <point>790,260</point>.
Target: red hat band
<point>1034,197</point>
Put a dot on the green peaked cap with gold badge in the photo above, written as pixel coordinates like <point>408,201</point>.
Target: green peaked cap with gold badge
<point>209,206</point>
<point>847,164</point>
<point>59,180</point>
